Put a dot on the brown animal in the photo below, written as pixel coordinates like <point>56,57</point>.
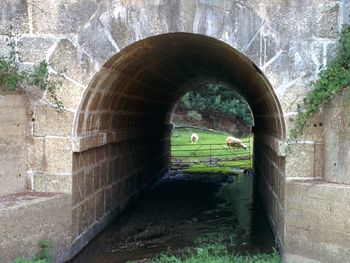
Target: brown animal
<point>235,142</point>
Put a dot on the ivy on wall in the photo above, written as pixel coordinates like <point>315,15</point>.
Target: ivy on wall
<point>332,79</point>
<point>15,78</point>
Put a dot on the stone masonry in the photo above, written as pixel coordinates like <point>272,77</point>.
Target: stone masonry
<point>126,63</point>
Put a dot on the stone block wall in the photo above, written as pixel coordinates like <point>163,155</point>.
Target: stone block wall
<point>287,40</point>
<point>106,178</point>
<point>270,177</point>
<point>317,221</point>
<point>337,139</point>
<point>13,143</point>
<point>28,218</point>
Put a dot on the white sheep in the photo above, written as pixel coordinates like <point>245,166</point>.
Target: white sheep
<point>235,142</point>
<point>194,137</point>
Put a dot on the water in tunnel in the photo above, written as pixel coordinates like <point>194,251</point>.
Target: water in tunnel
<point>123,125</point>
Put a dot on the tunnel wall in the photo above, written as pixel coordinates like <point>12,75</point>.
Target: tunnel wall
<point>270,178</point>
<point>108,177</point>
<point>287,40</point>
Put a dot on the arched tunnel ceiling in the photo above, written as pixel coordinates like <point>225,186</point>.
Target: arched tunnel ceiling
<point>141,84</point>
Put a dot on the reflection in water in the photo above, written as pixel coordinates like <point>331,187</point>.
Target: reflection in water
<point>177,211</point>
<point>239,198</point>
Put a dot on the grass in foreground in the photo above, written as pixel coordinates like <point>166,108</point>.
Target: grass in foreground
<point>202,255</point>
<point>213,248</point>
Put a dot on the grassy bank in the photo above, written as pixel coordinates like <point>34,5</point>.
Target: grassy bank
<point>211,146</point>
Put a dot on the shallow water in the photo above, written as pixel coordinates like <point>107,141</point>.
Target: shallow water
<point>178,210</point>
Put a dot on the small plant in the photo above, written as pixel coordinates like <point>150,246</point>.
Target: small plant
<point>194,115</point>
<point>332,79</point>
<point>12,77</point>
<point>42,257</point>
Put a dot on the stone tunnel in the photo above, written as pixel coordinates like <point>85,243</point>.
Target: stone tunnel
<point>122,132</point>
<point>125,65</point>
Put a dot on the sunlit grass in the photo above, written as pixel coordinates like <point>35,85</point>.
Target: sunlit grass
<point>211,145</point>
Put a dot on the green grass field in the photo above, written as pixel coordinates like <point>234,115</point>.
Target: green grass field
<point>210,146</point>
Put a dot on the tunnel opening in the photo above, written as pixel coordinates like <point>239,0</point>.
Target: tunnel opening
<point>122,130</point>
<point>203,120</point>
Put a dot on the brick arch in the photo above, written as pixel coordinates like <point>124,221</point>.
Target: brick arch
<point>150,76</point>
<point>122,126</point>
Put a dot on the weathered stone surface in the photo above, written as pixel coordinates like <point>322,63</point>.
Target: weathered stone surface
<point>13,132</point>
<point>337,137</point>
<point>121,31</point>
<point>328,26</point>
<point>92,44</point>
<point>34,49</point>
<point>50,122</point>
<point>58,154</point>
<point>36,154</point>
<point>345,12</point>
<point>300,160</point>
<point>313,131</point>
<point>52,183</point>
<point>77,64</point>
<point>28,218</point>
<point>4,51</point>
<point>14,16</point>
<point>317,215</point>
<point>64,16</point>
<point>69,93</point>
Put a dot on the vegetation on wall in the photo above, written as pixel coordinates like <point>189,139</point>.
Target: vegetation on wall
<point>42,257</point>
<point>332,79</point>
<point>214,99</point>
<point>14,78</point>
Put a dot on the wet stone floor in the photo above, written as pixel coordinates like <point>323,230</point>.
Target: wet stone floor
<point>177,211</point>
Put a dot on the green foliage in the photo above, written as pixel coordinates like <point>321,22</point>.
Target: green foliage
<point>42,257</point>
<point>12,77</point>
<point>214,249</point>
<point>332,79</point>
<point>214,98</point>
<point>194,115</point>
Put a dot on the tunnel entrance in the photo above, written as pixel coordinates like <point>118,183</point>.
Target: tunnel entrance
<point>205,120</point>
<point>123,126</point>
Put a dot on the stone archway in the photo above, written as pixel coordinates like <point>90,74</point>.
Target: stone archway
<point>122,128</point>
<point>288,40</point>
